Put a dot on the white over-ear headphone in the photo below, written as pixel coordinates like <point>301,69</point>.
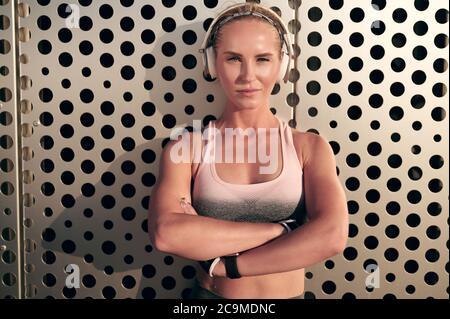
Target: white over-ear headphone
<point>207,49</point>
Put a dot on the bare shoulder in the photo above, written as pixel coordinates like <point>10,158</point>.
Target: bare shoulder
<point>304,143</point>
<point>195,146</point>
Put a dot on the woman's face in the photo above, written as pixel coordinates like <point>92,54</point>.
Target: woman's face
<point>248,58</point>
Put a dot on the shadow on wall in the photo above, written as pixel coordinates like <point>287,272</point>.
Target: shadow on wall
<point>111,233</point>
<point>112,236</point>
<point>109,230</point>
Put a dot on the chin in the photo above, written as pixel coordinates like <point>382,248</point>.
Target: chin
<point>250,108</point>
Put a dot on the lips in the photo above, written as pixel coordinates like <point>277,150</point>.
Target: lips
<point>248,90</point>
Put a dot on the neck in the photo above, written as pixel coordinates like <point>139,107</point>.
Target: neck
<point>250,118</point>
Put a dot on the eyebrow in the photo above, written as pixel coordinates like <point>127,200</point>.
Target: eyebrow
<point>261,54</point>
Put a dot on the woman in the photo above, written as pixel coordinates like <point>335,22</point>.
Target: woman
<point>239,224</point>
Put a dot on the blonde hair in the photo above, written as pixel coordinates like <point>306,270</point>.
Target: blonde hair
<point>248,7</point>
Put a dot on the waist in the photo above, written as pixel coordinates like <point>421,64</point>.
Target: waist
<point>278,286</point>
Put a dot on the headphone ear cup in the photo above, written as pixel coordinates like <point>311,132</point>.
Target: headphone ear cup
<point>283,67</point>
<point>211,60</point>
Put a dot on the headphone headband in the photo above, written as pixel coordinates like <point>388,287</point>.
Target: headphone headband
<point>224,19</point>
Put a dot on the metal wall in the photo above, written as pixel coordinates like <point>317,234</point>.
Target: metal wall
<point>90,93</point>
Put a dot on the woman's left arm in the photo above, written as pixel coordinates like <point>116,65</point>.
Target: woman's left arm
<point>323,236</point>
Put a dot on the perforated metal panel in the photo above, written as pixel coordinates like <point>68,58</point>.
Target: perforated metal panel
<point>374,83</point>
<point>97,101</point>
<point>10,166</point>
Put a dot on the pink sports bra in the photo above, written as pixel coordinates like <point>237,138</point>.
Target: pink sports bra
<point>274,200</point>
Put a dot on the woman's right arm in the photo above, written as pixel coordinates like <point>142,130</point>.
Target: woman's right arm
<point>174,231</point>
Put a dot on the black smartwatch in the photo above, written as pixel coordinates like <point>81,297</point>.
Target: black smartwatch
<point>231,266</point>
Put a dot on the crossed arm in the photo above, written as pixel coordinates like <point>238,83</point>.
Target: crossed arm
<point>326,232</point>
<point>200,238</point>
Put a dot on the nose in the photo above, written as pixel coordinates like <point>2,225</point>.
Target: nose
<point>247,71</point>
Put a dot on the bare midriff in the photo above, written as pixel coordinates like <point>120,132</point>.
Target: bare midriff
<point>277,286</point>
